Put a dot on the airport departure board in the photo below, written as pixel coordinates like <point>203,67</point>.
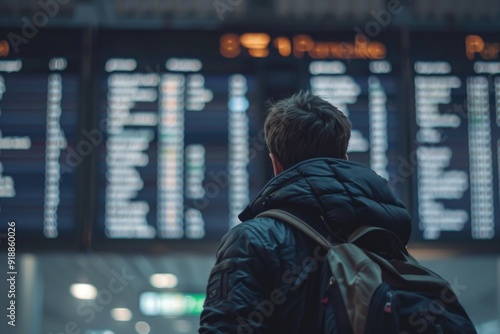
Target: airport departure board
<point>359,75</point>
<point>183,113</point>
<point>39,101</point>
<point>456,136</point>
<point>173,126</point>
<point>182,155</point>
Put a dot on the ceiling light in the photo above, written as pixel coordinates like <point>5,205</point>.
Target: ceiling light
<point>83,291</point>
<point>163,280</point>
<point>121,314</point>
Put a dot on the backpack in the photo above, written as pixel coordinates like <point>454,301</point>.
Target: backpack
<point>378,287</point>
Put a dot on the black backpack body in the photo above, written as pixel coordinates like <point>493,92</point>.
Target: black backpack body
<point>377,287</point>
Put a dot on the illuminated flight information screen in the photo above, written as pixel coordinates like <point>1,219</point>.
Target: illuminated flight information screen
<point>183,151</point>
<point>456,137</point>
<point>359,75</point>
<point>39,97</point>
<point>182,120</point>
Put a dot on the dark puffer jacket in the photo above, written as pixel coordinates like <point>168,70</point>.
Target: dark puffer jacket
<point>269,278</point>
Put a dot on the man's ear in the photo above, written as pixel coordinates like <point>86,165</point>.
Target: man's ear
<point>346,157</point>
<point>277,166</point>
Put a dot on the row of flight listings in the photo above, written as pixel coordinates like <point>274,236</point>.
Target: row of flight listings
<point>176,136</point>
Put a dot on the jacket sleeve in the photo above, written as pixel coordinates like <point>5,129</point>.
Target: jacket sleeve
<point>239,286</point>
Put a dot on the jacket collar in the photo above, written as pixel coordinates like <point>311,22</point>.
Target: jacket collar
<point>347,194</point>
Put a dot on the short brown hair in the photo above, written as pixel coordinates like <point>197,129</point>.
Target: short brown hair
<point>305,126</point>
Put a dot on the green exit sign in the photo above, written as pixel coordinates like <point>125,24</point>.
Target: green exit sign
<point>171,303</point>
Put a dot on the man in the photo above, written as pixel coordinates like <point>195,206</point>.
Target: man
<point>269,277</point>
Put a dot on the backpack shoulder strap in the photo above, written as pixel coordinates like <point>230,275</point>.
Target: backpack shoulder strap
<point>299,224</point>
<point>379,239</point>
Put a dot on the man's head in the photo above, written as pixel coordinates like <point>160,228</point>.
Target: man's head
<point>302,127</point>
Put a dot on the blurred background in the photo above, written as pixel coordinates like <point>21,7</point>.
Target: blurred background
<point>131,138</point>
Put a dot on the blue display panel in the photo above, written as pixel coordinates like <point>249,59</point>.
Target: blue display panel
<point>182,116</point>
<point>183,152</point>
<point>456,136</point>
<point>177,127</point>
<point>359,75</point>
<point>39,100</point>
